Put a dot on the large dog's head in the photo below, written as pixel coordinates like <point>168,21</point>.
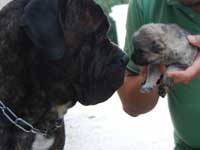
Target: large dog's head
<point>78,62</point>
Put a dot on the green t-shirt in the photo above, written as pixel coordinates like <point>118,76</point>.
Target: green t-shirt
<point>184,100</point>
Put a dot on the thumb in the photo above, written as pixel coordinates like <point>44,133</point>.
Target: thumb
<point>176,76</point>
<point>172,74</point>
<point>194,40</point>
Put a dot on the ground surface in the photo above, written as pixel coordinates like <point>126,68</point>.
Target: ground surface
<point>107,127</point>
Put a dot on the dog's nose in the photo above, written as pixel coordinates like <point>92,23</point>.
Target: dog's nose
<point>124,60</point>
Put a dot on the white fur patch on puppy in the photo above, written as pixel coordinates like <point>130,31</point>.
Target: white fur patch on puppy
<point>42,143</point>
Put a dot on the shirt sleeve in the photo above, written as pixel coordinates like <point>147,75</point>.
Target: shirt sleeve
<point>135,20</point>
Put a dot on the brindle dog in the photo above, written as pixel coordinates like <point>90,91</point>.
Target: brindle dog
<point>53,53</point>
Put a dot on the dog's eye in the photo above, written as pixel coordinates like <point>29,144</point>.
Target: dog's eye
<point>155,47</point>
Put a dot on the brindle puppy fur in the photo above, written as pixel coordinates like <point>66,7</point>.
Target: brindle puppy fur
<point>156,44</point>
<point>37,87</point>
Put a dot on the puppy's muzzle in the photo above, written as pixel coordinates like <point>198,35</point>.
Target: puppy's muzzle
<point>139,58</point>
<point>108,80</point>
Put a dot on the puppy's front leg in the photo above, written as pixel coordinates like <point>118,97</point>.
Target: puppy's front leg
<point>153,75</point>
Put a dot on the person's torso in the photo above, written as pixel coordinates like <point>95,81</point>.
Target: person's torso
<point>184,100</point>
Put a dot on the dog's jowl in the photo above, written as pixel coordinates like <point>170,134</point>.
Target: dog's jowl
<point>53,53</point>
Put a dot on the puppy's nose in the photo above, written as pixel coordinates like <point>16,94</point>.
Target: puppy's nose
<point>124,60</point>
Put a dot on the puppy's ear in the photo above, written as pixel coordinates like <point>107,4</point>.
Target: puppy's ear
<point>41,24</point>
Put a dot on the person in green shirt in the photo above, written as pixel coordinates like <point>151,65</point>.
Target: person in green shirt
<point>184,98</point>
<point>107,6</point>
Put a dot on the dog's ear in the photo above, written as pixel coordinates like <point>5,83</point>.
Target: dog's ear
<point>41,24</point>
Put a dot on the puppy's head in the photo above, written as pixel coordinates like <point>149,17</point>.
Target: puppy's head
<point>89,67</point>
<point>148,43</point>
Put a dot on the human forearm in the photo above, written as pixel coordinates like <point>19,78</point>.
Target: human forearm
<point>133,101</point>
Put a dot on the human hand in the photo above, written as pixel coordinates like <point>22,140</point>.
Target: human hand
<point>191,72</point>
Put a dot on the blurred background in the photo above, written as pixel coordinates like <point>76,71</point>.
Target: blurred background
<point>105,126</point>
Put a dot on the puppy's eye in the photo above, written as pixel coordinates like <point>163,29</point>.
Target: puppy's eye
<point>156,47</point>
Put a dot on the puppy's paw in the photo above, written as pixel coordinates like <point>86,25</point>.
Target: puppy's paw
<point>165,86</point>
<point>146,88</point>
<point>162,90</point>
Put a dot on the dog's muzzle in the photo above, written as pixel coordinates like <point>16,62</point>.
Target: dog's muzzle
<point>109,79</point>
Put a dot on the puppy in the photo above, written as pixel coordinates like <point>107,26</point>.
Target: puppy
<point>156,44</point>
<point>53,54</point>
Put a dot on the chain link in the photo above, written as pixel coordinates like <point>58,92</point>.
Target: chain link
<point>20,123</point>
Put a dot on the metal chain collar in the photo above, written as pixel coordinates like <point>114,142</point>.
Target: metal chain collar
<point>24,125</point>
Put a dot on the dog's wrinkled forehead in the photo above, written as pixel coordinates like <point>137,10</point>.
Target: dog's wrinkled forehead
<point>85,16</point>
